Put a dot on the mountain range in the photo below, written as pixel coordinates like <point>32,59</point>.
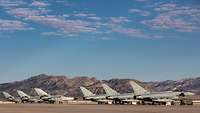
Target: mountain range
<point>63,85</point>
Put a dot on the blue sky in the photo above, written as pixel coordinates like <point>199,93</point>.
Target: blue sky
<point>140,39</point>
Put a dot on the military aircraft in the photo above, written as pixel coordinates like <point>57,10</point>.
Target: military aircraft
<point>156,97</point>
<point>52,98</point>
<point>26,98</point>
<point>10,97</point>
<point>117,97</point>
<point>88,95</point>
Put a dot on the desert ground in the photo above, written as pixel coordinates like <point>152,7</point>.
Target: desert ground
<point>47,108</point>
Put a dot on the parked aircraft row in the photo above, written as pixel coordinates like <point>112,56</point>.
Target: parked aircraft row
<point>42,97</point>
<point>139,94</point>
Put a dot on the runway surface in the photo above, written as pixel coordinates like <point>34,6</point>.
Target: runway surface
<point>46,108</point>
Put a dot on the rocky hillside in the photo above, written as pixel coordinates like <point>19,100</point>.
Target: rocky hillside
<point>63,85</point>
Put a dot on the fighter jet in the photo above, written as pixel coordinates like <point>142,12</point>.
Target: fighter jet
<point>142,94</point>
<point>51,98</point>
<point>117,97</point>
<point>88,95</point>
<point>10,97</point>
<point>26,98</point>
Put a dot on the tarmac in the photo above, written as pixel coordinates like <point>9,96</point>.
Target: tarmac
<point>66,108</point>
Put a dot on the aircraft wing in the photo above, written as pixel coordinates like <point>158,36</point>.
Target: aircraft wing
<point>122,96</point>
<point>10,97</point>
<point>163,100</point>
<point>64,98</point>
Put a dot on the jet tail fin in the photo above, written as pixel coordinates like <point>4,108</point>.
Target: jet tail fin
<point>7,95</point>
<point>86,92</point>
<point>10,97</point>
<point>22,94</point>
<point>109,91</point>
<point>138,90</point>
<point>40,92</point>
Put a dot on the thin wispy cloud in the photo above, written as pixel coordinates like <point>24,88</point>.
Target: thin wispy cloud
<point>25,13</point>
<point>62,26</point>
<point>172,16</point>
<point>94,18</point>
<point>166,7</point>
<point>139,12</point>
<point>60,34</point>
<point>119,19</point>
<point>39,4</point>
<point>83,14</point>
<point>129,31</point>
<point>11,3</point>
<point>134,22</point>
<point>13,25</point>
